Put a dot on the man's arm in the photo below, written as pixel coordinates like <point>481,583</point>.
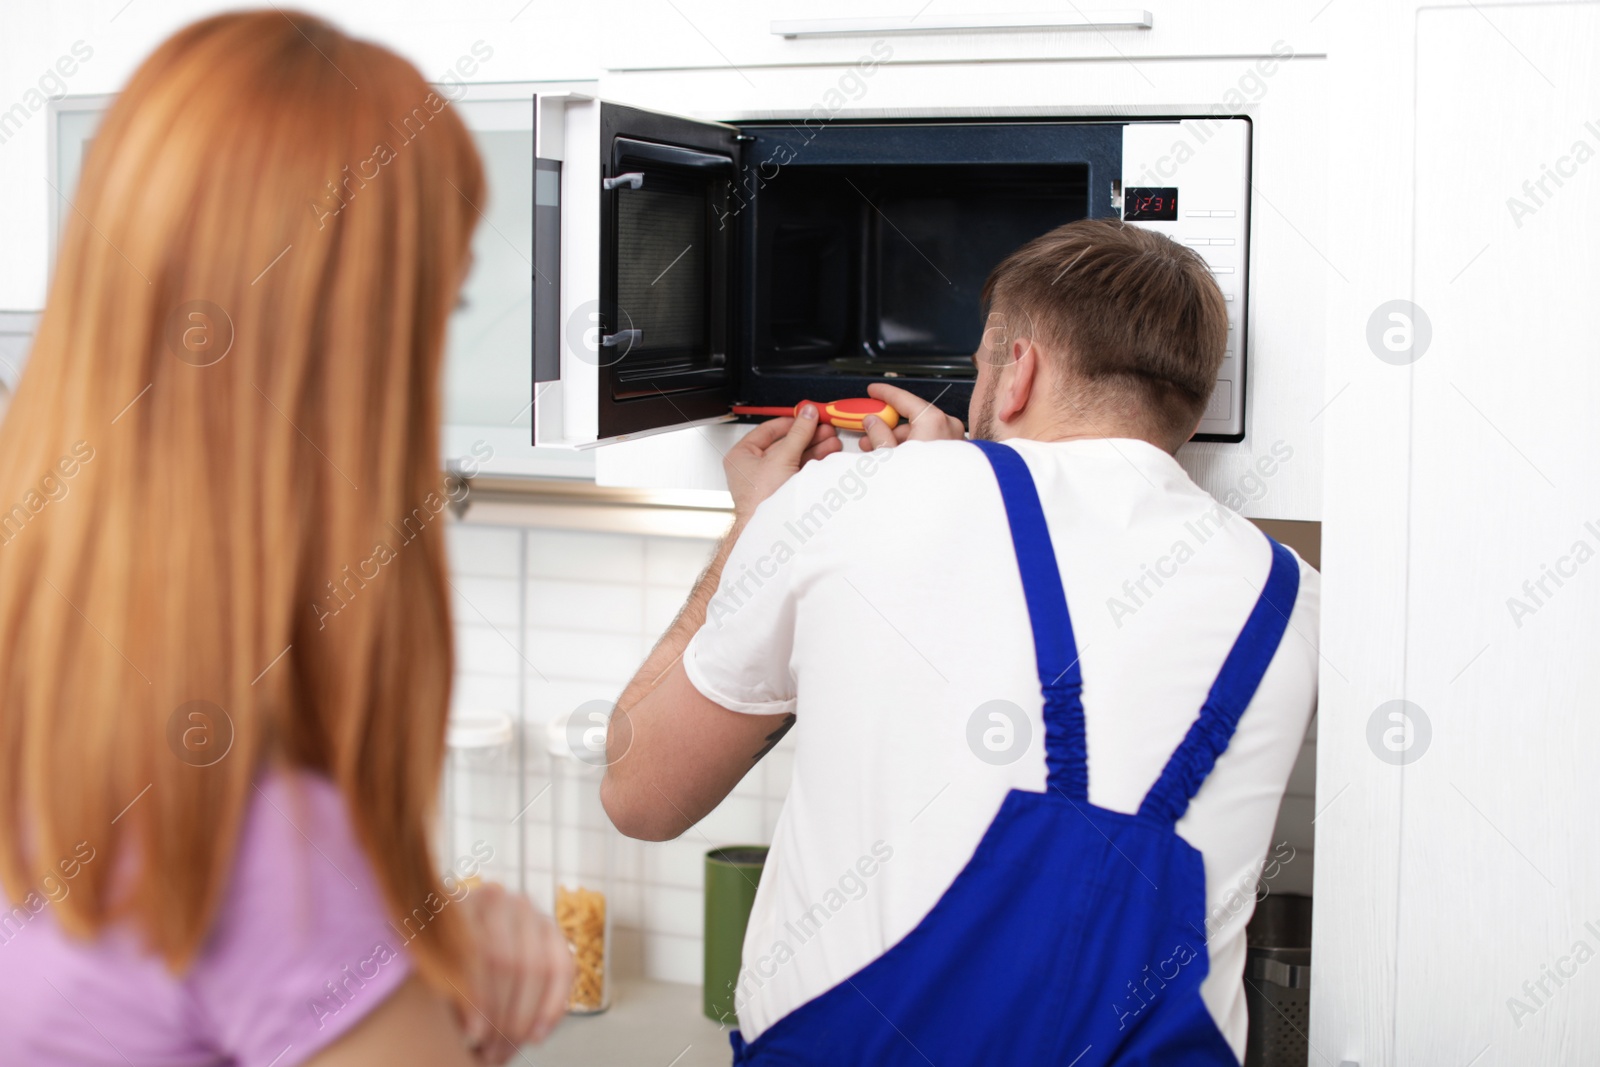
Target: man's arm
<point>674,753</point>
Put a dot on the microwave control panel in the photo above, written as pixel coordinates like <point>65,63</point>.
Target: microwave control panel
<point>1190,180</point>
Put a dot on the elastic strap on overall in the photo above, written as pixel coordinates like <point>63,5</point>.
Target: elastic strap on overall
<point>1066,750</point>
<point>1230,694</point>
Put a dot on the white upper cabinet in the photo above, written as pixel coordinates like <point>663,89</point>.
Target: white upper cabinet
<point>1458,886</point>
<point>489,375</point>
<point>488,371</point>
<point>734,33</point>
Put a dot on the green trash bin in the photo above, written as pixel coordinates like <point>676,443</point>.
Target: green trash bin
<point>732,874</point>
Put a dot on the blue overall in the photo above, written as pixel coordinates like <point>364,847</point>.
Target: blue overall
<point>1075,935</point>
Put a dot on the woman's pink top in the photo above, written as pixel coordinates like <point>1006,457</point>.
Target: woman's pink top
<point>302,949</point>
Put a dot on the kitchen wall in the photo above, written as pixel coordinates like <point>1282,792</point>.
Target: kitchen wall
<point>549,619</point>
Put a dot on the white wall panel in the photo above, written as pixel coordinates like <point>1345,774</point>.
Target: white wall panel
<point>1503,489</point>
<point>1457,472</point>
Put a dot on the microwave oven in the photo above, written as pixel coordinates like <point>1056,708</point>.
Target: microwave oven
<point>685,266</point>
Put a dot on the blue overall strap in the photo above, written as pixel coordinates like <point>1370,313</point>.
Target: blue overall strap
<point>1230,694</point>
<point>1060,680</point>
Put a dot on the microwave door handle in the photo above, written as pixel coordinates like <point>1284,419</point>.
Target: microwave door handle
<point>627,340</point>
<point>632,180</point>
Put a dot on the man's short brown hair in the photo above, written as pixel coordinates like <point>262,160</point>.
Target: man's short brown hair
<point>1136,317</point>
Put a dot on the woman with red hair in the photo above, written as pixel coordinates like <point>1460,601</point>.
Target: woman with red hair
<point>213,804</point>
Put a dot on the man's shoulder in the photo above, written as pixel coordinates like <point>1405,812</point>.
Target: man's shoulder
<point>909,462</point>
<point>910,484</point>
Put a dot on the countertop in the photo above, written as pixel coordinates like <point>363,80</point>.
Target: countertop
<point>649,1024</point>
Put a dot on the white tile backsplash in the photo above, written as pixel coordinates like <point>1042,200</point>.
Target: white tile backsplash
<point>585,556</point>
<point>754,783</point>
<point>605,658</point>
<point>669,910</point>
<point>627,903</point>
<point>483,551</point>
<point>599,607</point>
<point>547,620</point>
<point>491,601</point>
<point>487,650</point>
<point>679,863</point>
<point>550,698</point>
<point>736,821</point>
<point>669,958</point>
<point>485,692</point>
<point>779,768</point>
<point>661,604</point>
<point>676,561</point>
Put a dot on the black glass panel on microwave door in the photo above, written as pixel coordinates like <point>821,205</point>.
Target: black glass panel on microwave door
<point>666,257</point>
<point>670,266</point>
<point>662,270</point>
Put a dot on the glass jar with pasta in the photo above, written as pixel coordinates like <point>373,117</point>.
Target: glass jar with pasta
<point>582,846</point>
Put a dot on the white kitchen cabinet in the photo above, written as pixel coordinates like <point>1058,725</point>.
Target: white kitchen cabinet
<point>488,383</point>
<point>73,120</point>
<point>488,378</point>
<point>1460,528</point>
<point>16,335</point>
<point>730,34</point>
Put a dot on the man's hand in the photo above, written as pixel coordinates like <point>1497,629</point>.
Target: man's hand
<point>921,421</point>
<point>770,454</point>
<point>521,973</point>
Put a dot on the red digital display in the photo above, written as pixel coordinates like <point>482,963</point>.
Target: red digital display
<point>1150,204</point>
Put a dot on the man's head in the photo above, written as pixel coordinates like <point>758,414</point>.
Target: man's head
<point>1098,329</point>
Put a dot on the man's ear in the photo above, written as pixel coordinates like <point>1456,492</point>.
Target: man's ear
<point>1018,391</point>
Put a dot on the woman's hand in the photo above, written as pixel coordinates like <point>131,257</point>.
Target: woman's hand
<point>521,973</point>
<point>919,420</point>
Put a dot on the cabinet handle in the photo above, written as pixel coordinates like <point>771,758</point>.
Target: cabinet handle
<point>631,180</point>
<point>1118,19</point>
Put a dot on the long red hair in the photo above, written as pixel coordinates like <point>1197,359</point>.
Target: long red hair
<point>233,393</point>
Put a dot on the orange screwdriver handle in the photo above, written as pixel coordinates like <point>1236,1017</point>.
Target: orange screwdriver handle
<point>852,414</point>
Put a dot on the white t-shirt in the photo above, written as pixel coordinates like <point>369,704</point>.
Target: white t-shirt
<point>877,597</point>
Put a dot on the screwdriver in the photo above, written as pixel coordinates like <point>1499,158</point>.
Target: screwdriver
<point>843,414</point>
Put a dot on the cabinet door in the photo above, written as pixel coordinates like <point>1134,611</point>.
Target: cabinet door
<point>73,122</point>
<point>489,394</point>
<point>489,399</point>
<point>645,211</point>
<point>730,34</point>
<point>1457,884</point>
<point>16,336</point>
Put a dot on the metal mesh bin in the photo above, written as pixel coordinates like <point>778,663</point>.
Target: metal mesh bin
<point>1277,982</point>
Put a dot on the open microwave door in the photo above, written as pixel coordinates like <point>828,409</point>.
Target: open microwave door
<point>634,220</point>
